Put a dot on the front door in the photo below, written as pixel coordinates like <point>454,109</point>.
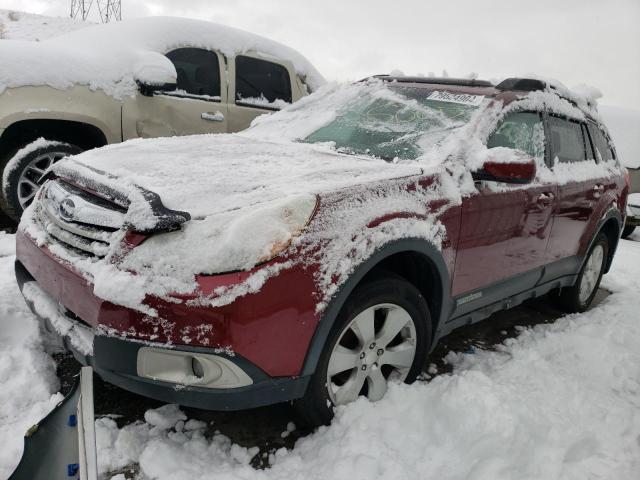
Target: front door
<point>505,227</point>
<point>198,105</point>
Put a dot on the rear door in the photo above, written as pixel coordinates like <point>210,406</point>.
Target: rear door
<point>198,105</point>
<point>578,191</point>
<point>258,86</point>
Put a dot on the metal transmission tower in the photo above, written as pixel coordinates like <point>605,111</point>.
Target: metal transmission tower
<point>109,9</point>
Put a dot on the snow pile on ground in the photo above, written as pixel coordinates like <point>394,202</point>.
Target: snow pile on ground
<point>27,373</point>
<point>561,401</point>
<point>124,52</point>
<point>16,25</point>
<point>624,127</point>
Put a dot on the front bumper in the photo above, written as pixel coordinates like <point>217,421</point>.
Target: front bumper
<point>116,361</point>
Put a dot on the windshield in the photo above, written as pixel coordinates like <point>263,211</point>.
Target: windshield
<point>397,122</point>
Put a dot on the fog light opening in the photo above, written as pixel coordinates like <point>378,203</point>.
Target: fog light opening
<point>197,367</point>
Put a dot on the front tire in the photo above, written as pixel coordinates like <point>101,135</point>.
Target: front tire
<point>383,332</point>
<point>578,298</point>
<point>23,171</point>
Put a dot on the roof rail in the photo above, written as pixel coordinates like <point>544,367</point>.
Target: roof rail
<point>523,84</point>
<point>466,82</point>
<point>534,84</point>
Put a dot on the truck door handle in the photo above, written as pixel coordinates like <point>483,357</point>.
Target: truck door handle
<point>545,199</point>
<point>212,116</point>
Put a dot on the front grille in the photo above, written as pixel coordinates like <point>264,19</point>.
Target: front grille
<point>77,219</point>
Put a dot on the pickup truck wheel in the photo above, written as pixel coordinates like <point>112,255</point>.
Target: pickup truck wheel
<point>578,298</point>
<point>382,334</point>
<point>627,230</point>
<point>23,172</point>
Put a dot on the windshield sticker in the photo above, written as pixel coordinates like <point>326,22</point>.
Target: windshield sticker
<point>461,98</point>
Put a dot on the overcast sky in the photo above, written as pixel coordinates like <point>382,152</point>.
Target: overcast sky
<point>596,42</point>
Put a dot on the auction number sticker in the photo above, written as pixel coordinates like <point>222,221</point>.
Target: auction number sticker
<point>461,98</point>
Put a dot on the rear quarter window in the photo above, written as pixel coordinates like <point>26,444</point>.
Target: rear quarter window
<point>600,143</point>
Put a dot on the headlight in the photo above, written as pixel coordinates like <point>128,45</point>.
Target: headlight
<point>268,230</point>
<point>228,241</point>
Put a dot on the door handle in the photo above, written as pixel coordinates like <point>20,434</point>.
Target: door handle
<point>212,116</point>
<point>545,199</point>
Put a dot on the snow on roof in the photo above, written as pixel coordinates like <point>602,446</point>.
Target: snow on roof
<point>121,52</point>
<point>16,25</point>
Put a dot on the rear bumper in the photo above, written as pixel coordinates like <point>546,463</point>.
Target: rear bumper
<point>116,361</point>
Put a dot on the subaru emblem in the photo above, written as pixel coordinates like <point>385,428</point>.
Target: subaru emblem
<point>67,209</point>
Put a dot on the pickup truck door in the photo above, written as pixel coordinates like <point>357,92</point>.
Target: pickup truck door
<point>198,105</point>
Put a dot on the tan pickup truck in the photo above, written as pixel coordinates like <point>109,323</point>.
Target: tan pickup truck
<point>141,78</point>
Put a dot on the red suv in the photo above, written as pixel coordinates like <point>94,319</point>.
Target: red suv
<point>323,252</point>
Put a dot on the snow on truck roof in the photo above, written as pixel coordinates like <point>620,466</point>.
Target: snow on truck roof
<point>112,57</point>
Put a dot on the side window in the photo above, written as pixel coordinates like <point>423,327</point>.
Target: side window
<point>591,155</point>
<point>198,72</point>
<point>568,140</point>
<point>600,143</point>
<point>260,83</point>
<point>522,131</point>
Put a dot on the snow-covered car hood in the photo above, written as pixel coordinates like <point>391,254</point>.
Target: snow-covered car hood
<point>244,201</point>
<point>212,174</point>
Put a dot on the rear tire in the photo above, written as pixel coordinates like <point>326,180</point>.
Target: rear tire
<point>382,331</point>
<point>578,298</point>
<point>627,230</point>
<point>21,182</point>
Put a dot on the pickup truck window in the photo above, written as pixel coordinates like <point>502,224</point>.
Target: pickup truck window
<point>261,84</point>
<point>198,72</point>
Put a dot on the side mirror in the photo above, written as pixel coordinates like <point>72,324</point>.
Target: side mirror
<point>154,72</point>
<point>148,89</point>
<point>521,169</point>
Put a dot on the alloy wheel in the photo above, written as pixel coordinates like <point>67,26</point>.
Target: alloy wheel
<point>377,345</point>
<point>31,177</point>
<point>591,273</point>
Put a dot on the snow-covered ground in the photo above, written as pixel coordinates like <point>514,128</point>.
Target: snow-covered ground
<point>561,401</point>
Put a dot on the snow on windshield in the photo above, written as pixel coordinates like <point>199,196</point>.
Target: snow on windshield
<point>388,123</point>
<point>373,118</point>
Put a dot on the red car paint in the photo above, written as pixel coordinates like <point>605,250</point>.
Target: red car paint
<point>491,237</point>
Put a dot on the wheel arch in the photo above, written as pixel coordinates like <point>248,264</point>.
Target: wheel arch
<point>405,257</point>
<point>611,225</point>
<point>84,135</point>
